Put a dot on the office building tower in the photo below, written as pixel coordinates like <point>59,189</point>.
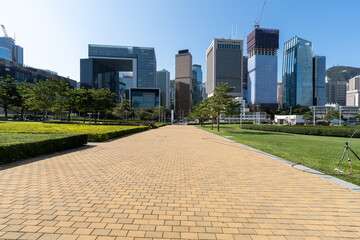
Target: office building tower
<point>197,84</point>
<point>319,72</point>
<point>163,83</point>
<point>224,63</point>
<point>172,94</point>
<point>245,77</point>
<point>105,63</point>
<point>183,84</point>
<point>336,92</point>
<point>297,73</point>
<point>279,93</point>
<point>203,90</point>
<point>262,46</point>
<point>353,92</point>
<point>6,53</point>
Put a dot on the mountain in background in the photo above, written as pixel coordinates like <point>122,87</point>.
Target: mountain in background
<point>342,73</point>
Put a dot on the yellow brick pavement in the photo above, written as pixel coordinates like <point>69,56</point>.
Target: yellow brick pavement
<point>176,182</point>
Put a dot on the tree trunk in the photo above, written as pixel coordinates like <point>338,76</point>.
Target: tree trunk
<point>218,123</point>
<point>22,112</point>
<point>68,118</point>
<point>212,123</point>
<point>6,111</point>
<point>84,119</point>
<point>43,115</point>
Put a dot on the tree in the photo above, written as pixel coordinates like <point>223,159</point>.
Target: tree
<point>331,115</point>
<point>84,102</point>
<point>221,102</point>
<point>300,110</point>
<point>123,109</point>
<point>21,98</point>
<point>9,93</point>
<point>103,100</point>
<point>42,95</point>
<point>308,116</point>
<point>62,95</point>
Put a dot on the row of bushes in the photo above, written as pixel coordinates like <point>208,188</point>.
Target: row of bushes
<point>103,136</point>
<point>307,130</point>
<point>14,152</point>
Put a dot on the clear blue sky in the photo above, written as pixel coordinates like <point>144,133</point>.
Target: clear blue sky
<point>56,34</point>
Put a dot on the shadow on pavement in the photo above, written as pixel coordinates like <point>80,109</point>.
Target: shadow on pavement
<point>43,157</point>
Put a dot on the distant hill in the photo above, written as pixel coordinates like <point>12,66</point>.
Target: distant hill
<point>342,73</point>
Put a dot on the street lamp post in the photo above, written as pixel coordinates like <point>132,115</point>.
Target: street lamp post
<point>314,116</point>
<point>340,116</point>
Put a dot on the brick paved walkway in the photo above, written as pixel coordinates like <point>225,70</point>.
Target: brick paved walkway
<point>176,182</point>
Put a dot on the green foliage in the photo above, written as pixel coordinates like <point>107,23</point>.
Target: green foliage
<point>307,130</point>
<point>331,115</point>
<point>20,146</point>
<point>221,102</point>
<point>300,110</point>
<point>308,116</point>
<point>9,94</point>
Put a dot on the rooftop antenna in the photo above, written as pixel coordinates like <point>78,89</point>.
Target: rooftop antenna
<point>232,31</point>
<point>236,32</point>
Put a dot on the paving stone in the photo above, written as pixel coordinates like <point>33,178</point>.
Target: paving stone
<point>175,182</point>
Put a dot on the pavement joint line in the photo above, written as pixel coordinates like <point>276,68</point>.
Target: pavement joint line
<point>335,180</point>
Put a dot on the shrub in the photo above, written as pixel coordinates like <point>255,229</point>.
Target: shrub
<point>13,152</point>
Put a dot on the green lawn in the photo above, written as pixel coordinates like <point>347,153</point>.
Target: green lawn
<point>317,152</point>
<point>7,139</point>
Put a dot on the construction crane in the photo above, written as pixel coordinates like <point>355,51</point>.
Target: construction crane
<point>257,23</point>
<point>9,43</point>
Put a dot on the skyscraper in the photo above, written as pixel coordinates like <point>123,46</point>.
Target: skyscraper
<point>224,63</point>
<point>6,53</point>
<point>183,83</point>
<point>245,76</point>
<point>262,45</point>
<point>353,92</point>
<point>297,73</point>
<point>163,82</point>
<point>197,84</point>
<point>319,72</point>
<point>105,63</point>
<point>172,94</point>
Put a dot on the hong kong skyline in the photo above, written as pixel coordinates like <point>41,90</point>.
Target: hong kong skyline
<point>55,34</point>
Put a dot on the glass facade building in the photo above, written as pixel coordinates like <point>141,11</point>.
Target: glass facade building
<point>144,98</point>
<point>297,73</point>
<point>197,84</point>
<point>5,51</point>
<point>102,68</point>
<point>262,45</point>
<point>319,73</point>
<point>163,83</point>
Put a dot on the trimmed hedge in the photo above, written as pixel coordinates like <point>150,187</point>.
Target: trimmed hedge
<point>14,152</point>
<point>99,137</point>
<point>332,131</point>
